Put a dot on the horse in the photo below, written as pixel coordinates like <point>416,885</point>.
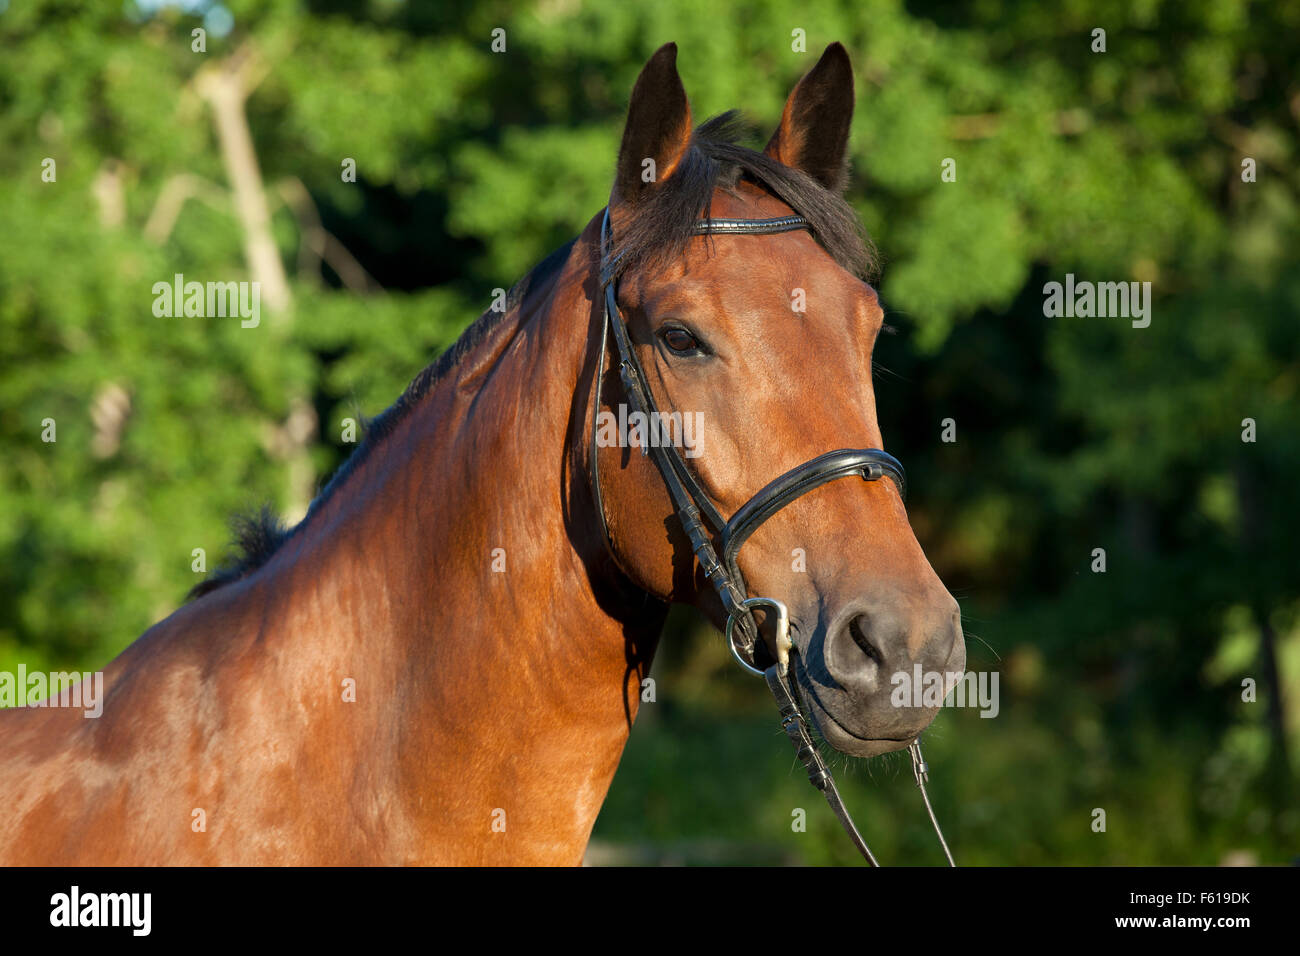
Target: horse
<point>442,662</point>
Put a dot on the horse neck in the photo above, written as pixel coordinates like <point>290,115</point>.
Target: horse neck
<point>455,577</point>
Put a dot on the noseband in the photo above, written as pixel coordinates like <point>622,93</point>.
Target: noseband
<point>700,518</point>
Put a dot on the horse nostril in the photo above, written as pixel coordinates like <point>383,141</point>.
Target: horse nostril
<point>860,638</point>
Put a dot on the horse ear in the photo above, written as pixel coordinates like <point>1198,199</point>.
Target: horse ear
<point>814,131</point>
<point>658,129</point>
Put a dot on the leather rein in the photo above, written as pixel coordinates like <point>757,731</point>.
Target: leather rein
<point>701,520</point>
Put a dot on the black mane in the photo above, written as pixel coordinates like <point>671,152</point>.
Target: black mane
<point>665,218</point>
<point>257,536</point>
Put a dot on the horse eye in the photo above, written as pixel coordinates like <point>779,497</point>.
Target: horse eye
<point>679,340</point>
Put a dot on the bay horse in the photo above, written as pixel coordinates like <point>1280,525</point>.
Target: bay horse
<point>442,662</point>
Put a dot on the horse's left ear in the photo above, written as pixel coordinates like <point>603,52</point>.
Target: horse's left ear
<point>814,131</point>
<point>658,130</point>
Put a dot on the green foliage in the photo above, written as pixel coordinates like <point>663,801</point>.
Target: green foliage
<point>1073,434</point>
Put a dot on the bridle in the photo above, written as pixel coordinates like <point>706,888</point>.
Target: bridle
<point>700,518</point>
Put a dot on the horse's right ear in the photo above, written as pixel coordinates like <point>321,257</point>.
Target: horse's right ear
<point>658,130</point>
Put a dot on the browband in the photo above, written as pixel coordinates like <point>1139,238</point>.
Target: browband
<point>706,227</point>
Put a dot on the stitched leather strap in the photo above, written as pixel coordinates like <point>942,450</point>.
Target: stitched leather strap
<point>871,463</point>
<point>612,260</point>
<point>749,227</point>
<point>795,728</point>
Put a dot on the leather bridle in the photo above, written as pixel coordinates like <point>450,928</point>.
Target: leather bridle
<point>701,520</point>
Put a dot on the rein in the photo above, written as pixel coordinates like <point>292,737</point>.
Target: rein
<point>698,514</point>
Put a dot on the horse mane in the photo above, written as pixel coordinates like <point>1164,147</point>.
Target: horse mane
<point>663,227</point>
<point>257,535</point>
<point>665,219</point>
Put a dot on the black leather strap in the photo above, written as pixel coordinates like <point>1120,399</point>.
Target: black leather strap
<point>749,227</point>
<point>612,260</point>
<point>695,509</point>
<point>871,463</point>
<point>797,730</point>
<point>688,497</point>
<point>693,504</point>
